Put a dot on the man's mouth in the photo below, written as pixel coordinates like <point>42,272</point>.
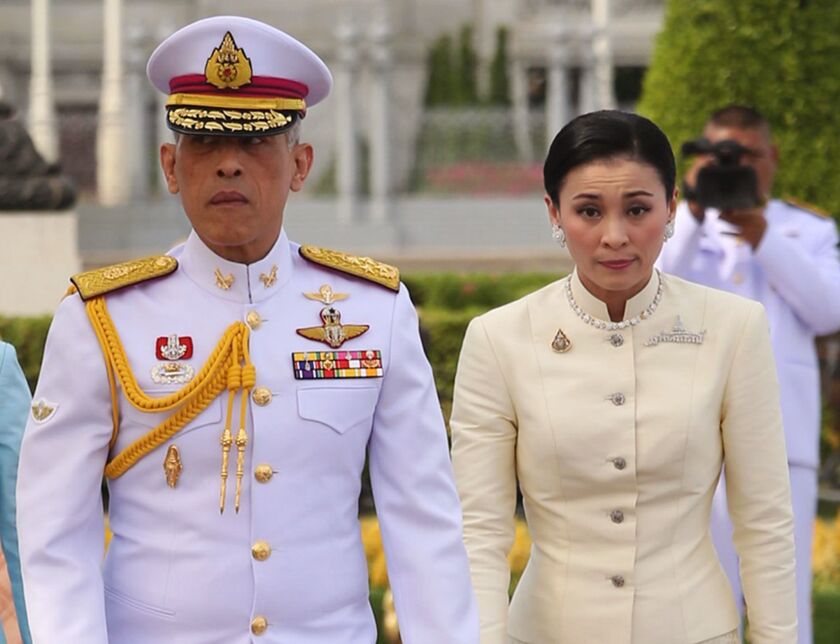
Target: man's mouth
<point>228,197</point>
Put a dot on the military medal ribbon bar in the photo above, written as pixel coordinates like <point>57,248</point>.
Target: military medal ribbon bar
<point>331,365</point>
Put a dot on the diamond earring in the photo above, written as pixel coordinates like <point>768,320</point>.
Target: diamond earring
<point>669,230</point>
<point>559,235</point>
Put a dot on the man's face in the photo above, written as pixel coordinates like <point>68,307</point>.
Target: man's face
<point>762,155</point>
<point>234,189</point>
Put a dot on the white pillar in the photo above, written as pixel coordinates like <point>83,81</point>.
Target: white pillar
<point>42,122</point>
<point>519,96</point>
<point>345,80</point>
<point>112,165</point>
<point>137,116</point>
<point>586,97</point>
<point>380,123</point>
<point>557,111</point>
<point>602,51</point>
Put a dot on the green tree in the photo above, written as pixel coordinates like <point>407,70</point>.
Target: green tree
<point>779,56</point>
<point>468,69</point>
<point>499,82</point>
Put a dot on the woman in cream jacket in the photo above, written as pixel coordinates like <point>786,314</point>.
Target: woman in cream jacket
<point>611,397</point>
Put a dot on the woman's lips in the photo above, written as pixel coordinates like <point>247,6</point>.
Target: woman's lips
<point>616,264</point>
<point>228,197</point>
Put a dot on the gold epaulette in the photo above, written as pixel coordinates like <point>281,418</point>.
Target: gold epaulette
<point>807,207</point>
<point>364,267</point>
<point>104,280</point>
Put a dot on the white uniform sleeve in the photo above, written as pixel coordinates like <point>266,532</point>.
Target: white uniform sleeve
<point>59,501</point>
<point>484,456</point>
<point>679,251</point>
<point>757,485</point>
<point>416,501</point>
<point>808,279</point>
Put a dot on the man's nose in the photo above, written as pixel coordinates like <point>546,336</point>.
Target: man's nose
<point>229,163</point>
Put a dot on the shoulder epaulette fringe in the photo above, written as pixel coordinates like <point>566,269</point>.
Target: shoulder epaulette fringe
<point>807,207</point>
<point>108,279</point>
<point>364,267</point>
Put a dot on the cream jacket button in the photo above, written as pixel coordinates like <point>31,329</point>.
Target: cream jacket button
<point>259,625</point>
<point>619,463</point>
<point>617,516</point>
<point>261,550</point>
<point>261,396</point>
<point>253,319</point>
<point>617,581</point>
<point>618,399</point>
<point>263,473</point>
<point>616,339</point>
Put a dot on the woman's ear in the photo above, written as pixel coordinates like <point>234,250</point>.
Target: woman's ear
<point>553,211</point>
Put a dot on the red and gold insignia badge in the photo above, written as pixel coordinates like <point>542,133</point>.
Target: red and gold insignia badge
<point>174,347</point>
<point>228,67</point>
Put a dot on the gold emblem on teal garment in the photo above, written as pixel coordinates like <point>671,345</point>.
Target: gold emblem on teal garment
<point>332,332</point>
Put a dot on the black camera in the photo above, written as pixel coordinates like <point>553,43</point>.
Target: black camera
<point>724,183</point>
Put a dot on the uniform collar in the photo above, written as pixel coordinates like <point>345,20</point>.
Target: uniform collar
<point>598,309</point>
<point>246,283</point>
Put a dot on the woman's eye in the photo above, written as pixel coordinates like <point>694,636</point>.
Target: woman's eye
<point>589,212</point>
<point>638,211</point>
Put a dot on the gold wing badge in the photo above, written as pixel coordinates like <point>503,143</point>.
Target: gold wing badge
<point>332,331</point>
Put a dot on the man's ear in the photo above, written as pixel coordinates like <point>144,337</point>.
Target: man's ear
<point>167,164</point>
<point>302,157</point>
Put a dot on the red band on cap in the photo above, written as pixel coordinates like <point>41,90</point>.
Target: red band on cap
<point>260,86</point>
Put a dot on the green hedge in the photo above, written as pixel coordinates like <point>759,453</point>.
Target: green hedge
<point>780,56</point>
<point>27,335</point>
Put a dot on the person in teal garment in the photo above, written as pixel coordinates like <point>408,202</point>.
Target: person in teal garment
<point>14,409</point>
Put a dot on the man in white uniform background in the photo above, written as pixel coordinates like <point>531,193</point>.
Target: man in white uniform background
<point>785,256</point>
<point>231,390</point>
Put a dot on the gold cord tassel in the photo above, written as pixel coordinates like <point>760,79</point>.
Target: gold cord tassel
<point>241,442</point>
<point>226,441</point>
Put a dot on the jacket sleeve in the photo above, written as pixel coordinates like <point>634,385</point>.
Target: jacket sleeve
<point>60,517</point>
<point>757,485</point>
<point>416,501</point>
<point>14,409</point>
<point>484,456</point>
<point>679,251</point>
<point>807,278</point>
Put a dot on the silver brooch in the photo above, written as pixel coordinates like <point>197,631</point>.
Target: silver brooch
<point>677,335</point>
<point>172,373</point>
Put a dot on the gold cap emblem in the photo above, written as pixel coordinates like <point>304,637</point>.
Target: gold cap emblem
<point>228,67</point>
<point>43,410</point>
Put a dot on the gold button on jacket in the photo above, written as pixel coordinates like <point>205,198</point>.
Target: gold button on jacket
<point>263,473</point>
<point>262,396</point>
<point>261,550</point>
<point>648,574</point>
<point>259,625</point>
<point>253,319</point>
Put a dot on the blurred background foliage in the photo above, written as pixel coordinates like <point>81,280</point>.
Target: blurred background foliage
<point>779,56</point>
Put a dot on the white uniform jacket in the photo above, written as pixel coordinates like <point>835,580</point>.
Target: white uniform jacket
<point>617,446</point>
<point>795,273</point>
<point>179,572</point>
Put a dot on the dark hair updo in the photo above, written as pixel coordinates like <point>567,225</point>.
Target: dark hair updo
<point>604,135</point>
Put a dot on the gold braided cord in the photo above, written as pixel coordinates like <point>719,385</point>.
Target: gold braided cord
<point>221,370</point>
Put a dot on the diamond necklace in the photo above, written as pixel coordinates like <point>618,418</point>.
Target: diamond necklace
<point>613,326</point>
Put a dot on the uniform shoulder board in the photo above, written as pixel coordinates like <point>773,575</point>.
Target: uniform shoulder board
<point>809,208</point>
<point>108,279</point>
<point>364,267</point>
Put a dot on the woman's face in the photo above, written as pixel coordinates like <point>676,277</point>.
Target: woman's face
<point>614,213</point>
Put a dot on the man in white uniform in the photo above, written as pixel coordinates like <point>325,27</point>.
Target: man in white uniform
<point>785,256</point>
<point>230,390</point>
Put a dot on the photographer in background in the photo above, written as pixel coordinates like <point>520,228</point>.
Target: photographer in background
<point>731,235</point>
